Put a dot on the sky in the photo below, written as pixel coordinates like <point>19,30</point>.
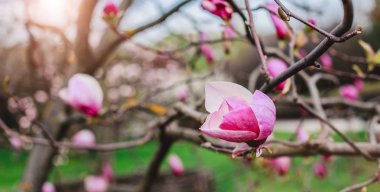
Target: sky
<point>62,12</point>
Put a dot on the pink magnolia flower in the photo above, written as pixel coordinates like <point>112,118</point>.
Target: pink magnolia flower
<point>326,61</point>
<point>282,30</point>
<point>206,48</point>
<point>309,29</point>
<point>176,165</point>
<point>110,9</point>
<point>95,184</point>
<point>281,164</point>
<point>48,187</point>
<point>327,157</point>
<point>228,33</point>
<point>302,135</point>
<point>359,84</point>
<point>84,138</point>
<point>276,67</point>
<point>349,92</point>
<point>107,171</point>
<point>183,95</point>
<point>237,115</point>
<point>15,142</point>
<point>84,94</point>
<point>320,170</point>
<point>220,8</point>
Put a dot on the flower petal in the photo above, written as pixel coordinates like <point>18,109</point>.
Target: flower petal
<point>240,120</point>
<point>265,113</point>
<point>233,136</point>
<point>219,91</point>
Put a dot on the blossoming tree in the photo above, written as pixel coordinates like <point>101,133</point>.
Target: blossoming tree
<point>92,100</point>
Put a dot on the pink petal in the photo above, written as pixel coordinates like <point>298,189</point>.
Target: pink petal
<point>349,92</point>
<point>84,138</point>
<point>95,184</point>
<point>281,164</point>
<point>219,91</point>
<point>358,83</point>
<point>326,61</point>
<point>107,171</point>
<point>275,68</point>
<point>48,187</point>
<point>265,112</point>
<point>302,135</point>
<point>232,136</point>
<point>207,52</point>
<point>240,120</point>
<point>208,5</point>
<point>110,8</point>
<point>176,165</point>
<point>281,27</point>
<point>320,170</point>
<point>83,93</point>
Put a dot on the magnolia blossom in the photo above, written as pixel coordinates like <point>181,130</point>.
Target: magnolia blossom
<point>84,94</point>
<point>107,171</point>
<point>320,170</point>
<point>282,30</point>
<point>220,8</point>
<point>95,184</point>
<point>183,95</point>
<point>15,142</point>
<point>349,92</point>
<point>309,29</point>
<point>176,165</point>
<point>281,164</point>
<point>84,138</point>
<point>326,61</point>
<point>327,157</point>
<point>228,34</point>
<point>110,9</point>
<point>359,84</point>
<point>276,67</point>
<point>48,187</point>
<point>237,115</point>
<point>206,48</point>
<point>302,135</point>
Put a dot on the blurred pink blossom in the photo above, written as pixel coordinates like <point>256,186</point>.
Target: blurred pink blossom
<point>176,165</point>
<point>349,92</point>
<point>282,30</point>
<point>302,135</point>
<point>206,48</point>
<point>110,9</point>
<point>220,8</point>
<point>281,164</point>
<point>326,61</point>
<point>320,170</point>
<point>24,122</point>
<point>183,95</point>
<point>41,96</point>
<point>48,187</point>
<point>237,115</point>
<point>95,184</point>
<point>228,32</point>
<point>107,171</point>
<point>358,83</point>
<point>84,94</point>
<point>275,68</point>
<point>15,142</point>
<point>84,138</point>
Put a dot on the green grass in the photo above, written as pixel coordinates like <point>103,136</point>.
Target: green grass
<point>230,174</point>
